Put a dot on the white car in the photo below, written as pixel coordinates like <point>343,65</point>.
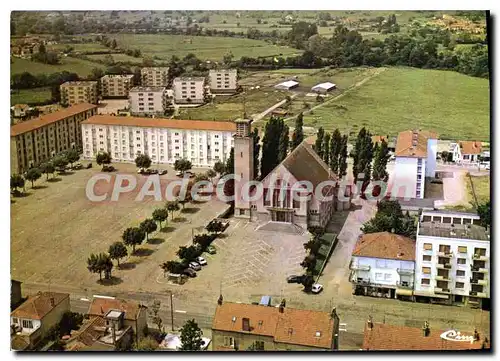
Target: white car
<point>179,173</point>
<point>316,288</point>
<point>195,265</point>
<point>202,261</point>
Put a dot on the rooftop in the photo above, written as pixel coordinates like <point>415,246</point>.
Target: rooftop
<point>36,307</point>
<point>288,84</point>
<point>118,76</point>
<point>162,68</point>
<point>196,78</point>
<point>223,126</point>
<point>470,147</point>
<point>148,89</point>
<point>293,326</point>
<point>101,307</point>
<point>385,245</point>
<point>223,71</point>
<point>326,85</point>
<point>447,230</point>
<point>79,83</point>
<point>50,118</point>
<point>413,143</point>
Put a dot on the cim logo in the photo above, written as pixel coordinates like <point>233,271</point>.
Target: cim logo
<point>453,335</point>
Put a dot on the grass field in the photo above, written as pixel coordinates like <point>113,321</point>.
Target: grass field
<point>481,188</point>
<point>79,66</point>
<point>117,58</point>
<point>28,96</point>
<point>79,47</point>
<point>456,106</point>
<point>209,48</point>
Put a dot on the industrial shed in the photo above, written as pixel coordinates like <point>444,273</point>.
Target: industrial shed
<point>323,87</point>
<point>287,85</point>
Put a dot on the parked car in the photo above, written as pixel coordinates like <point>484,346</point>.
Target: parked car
<point>89,165</point>
<point>108,168</point>
<point>152,171</point>
<point>179,173</point>
<point>294,279</point>
<point>195,265</point>
<point>140,171</point>
<point>211,250</point>
<point>77,166</point>
<point>316,288</point>
<point>162,172</point>
<point>189,272</point>
<point>202,261</point>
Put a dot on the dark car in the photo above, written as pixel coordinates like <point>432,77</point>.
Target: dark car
<point>294,279</point>
<point>108,168</point>
<point>89,165</point>
<point>189,272</point>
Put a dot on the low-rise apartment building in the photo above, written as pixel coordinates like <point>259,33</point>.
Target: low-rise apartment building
<point>223,80</point>
<point>164,140</point>
<point>76,92</point>
<point>416,152</point>
<point>242,327</point>
<point>148,100</point>
<point>452,262</point>
<point>116,86</point>
<point>383,265</point>
<point>189,90</point>
<point>34,141</point>
<point>154,76</point>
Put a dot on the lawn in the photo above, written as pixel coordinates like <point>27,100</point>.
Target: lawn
<point>79,66</point>
<point>207,48</point>
<point>456,106</point>
<point>79,47</point>
<point>481,188</point>
<point>29,96</point>
<point>117,58</point>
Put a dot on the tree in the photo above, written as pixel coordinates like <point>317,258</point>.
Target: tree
<point>390,218</point>
<point>201,177</point>
<point>114,44</point>
<point>362,156</point>
<point>229,167</point>
<point>211,174</point>
<point>188,254</point>
<point>326,148</point>
<point>274,145</point>
<point>172,206</point>
<point>33,175</point>
<point>117,250</point>
<point>309,262</point>
<point>143,161</point>
<point>219,167</point>
<point>444,155</point>
<point>191,337</point>
<point>70,321</point>
<point>146,344</point>
<point>318,145</point>
<point>256,152</point>
<point>335,145</point>
<point>160,215</point>
<point>343,157</point>
<point>16,181</point>
<point>47,168</point>
<point>182,165</point>
<point>298,133</point>
<point>72,156</point>
<point>307,282</point>
<point>380,162</point>
<point>148,226</point>
<point>484,211</point>
<point>98,263</point>
<point>215,226</point>
<point>227,58</point>
<point>96,74</point>
<point>172,266</point>
<point>133,236</point>
<point>60,162</point>
<point>103,158</point>
<point>284,142</point>
<point>154,311</point>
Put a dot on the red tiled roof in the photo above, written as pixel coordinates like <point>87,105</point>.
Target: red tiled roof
<point>101,306</point>
<point>470,147</point>
<point>413,143</point>
<point>378,138</point>
<point>385,245</point>
<point>224,126</point>
<point>50,118</point>
<point>36,307</point>
<point>392,337</point>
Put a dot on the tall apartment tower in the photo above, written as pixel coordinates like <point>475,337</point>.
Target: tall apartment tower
<point>243,166</point>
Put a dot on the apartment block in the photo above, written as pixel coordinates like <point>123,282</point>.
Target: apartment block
<point>189,90</point>
<point>452,258</point>
<point>76,92</point>
<point>116,86</point>
<point>34,141</point>
<point>164,140</point>
<point>148,100</point>
<point>223,80</point>
<point>154,76</point>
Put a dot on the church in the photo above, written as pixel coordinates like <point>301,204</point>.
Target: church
<point>283,196</point>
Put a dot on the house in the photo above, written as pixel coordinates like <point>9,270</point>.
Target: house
<point>386,337</point>
<point>415,154</point>
<point>452,259</point>
<point>125,314</point>
<point>20,110</point>
<point>33,319</point>
<point>15,294</point>
<point>467,152</point>
<point>391,141</point>
<point>323,88</point>
<point>383,264</point>
<point>287,85</point>
<point>239,326</point>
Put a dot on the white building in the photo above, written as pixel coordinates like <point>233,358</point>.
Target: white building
<point>223,80</point>
<point>287,85</point>
<point>415,159</point>
<point>189,90</point>
<point>323,88</point>
<point>383,265</point>
<point>467,152</point>
<point>452,258</point>
<point>154,76</point>
<point>148,100</point>
<point>116,86</point>
<point>164,140</point>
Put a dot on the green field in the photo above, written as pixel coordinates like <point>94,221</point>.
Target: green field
<point>79,66</point>
<point>206,48</point>
<point>456,106</point>
<point>117,58</point>
<point>481,188</point>
<point>29,96</point>
<point>79,47</point>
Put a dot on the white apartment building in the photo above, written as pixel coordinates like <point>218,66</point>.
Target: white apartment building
<point>223,80</point>
<point>452,261</point>
<point>415,159</point>
<point>154,76</point>
<point>148,100</point>
<point>116,86</point>
<point>383,265</point>
<point>189,90</point>
<point>164,140</point>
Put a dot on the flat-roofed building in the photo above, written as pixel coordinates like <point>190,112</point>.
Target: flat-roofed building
<point>116,86</point>
<point>189,90</point>
<point>148,100</point>
<point>164,140</point>
<point>223,80</point>
<point>76,92</point>
<point>34,141</point>
<point>154,76</point>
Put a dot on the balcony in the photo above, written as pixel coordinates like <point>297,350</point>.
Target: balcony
<point>359,267</point>
<point>478,269</point>
<point>482,282</point>
<point>478,294</point>
<point>447,254</point>
<point>405,285</point>
<point>405,271</point>
<point>443,265</point>
<point>442,278</point>
<point>478,257</point>
<point>442,290</point>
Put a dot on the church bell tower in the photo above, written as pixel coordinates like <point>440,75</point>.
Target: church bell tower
<point>243,166</point>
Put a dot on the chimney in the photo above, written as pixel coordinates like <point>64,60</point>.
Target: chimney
<point>245,324</point>
<point>219,301</point>
<point>52,302</point>
<point>370,322</point>
<point>426,329</point>
<point>282,305</point>
<point>476,335</point>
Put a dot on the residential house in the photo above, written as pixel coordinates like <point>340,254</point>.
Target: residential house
<point>33,319</point>
<point>383,265</point>
<point>240,327</point>
<point>20,110</point>
<point>467,152</point>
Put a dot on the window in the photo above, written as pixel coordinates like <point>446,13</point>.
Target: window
<point>427,258</point>
<point>459,285</point>
<point>426,270</point>
<point>27,324</point>
<point>379,276</point>
<point>480,251</point>
<point>14,320</point>
<point>462,249</point>
<point>428,246</point>
<point>387,277</point>
<point>461,261</point>
<point>460,273</point>
<point>426,281</point>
